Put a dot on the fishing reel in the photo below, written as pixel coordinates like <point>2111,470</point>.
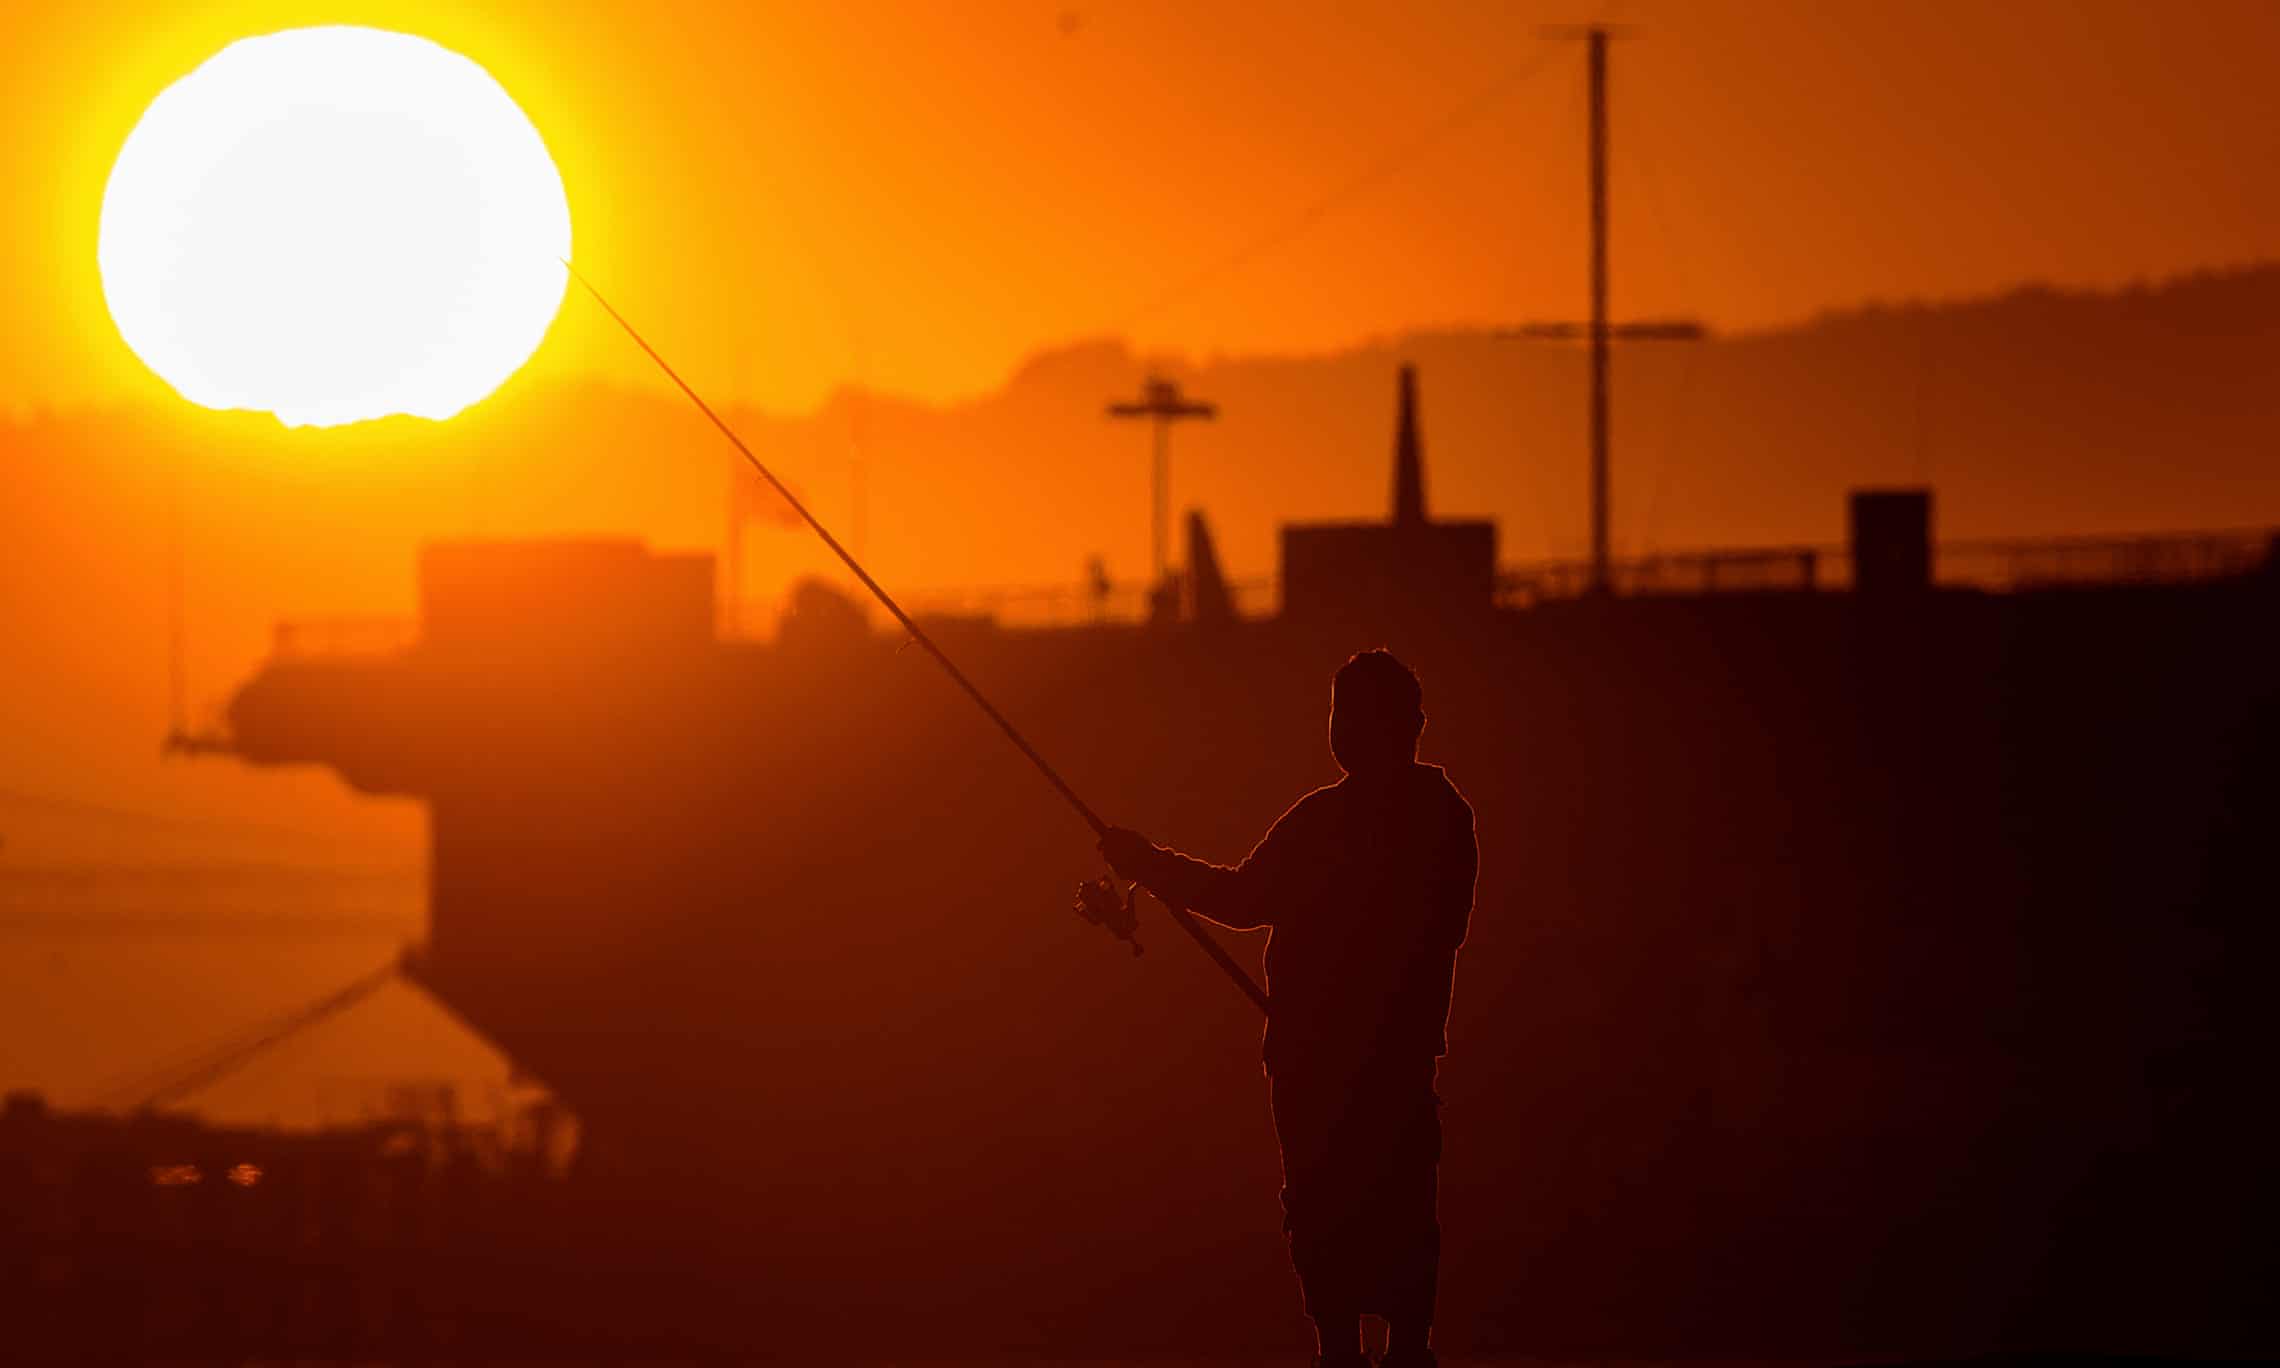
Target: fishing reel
<point>1114,910</point>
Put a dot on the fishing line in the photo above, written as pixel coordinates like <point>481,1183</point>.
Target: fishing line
<point>1185,919</point>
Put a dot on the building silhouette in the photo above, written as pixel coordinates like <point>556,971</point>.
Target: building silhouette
<point>1850,969</point>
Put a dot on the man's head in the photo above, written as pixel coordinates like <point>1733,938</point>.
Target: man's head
<point>1376,713</point>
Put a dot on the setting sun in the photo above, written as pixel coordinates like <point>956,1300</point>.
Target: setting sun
<point>331,225</point>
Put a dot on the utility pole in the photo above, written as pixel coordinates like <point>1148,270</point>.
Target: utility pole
<point>1163,405</point>
<point>1599,331</point>
<point>728,610</point>
<point>177,650</point>
<point>1595,63</point>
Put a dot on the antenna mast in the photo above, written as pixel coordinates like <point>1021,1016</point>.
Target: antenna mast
<point>1595,62</point>
<point>177,662</point>
<point>1599,331</point>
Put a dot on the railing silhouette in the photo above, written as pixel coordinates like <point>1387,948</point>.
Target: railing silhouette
<point>2019,563</point>
<point>2000,565</point>
<point>1074,605</point>
<point>1789,569</point>
<point>1996,565</point>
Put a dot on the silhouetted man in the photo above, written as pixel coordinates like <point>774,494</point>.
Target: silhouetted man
<point>1368,886</point>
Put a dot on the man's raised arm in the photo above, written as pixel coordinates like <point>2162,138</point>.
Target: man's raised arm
<point>1245,897</point>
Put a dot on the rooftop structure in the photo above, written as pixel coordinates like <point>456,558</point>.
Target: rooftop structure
<point>1779,886</point>
<point>1407,567</point>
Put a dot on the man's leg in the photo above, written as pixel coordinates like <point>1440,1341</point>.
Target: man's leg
<point>1337,1335</point>
<point>1408,1220</point>
<point>1308,1117</point>
<point>1409,1341</point>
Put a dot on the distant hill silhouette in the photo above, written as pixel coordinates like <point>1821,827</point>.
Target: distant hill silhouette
<point>2034,413</point>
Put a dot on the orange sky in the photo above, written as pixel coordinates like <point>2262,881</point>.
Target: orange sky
<point>916,196</point>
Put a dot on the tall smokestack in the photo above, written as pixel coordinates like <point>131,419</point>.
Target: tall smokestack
<point>1408,458</point>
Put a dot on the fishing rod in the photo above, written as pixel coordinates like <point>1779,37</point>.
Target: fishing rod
<point>1099,901</point>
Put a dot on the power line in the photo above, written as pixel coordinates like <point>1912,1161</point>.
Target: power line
<point>202,1071</point>
<point>1673,251</point>
<point>1675,418</point>
<point>1394,160</point>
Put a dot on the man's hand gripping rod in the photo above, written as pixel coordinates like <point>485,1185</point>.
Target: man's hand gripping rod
<point>1117,912</point>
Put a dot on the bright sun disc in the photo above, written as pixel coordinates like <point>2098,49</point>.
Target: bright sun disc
<point>334,224</point>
